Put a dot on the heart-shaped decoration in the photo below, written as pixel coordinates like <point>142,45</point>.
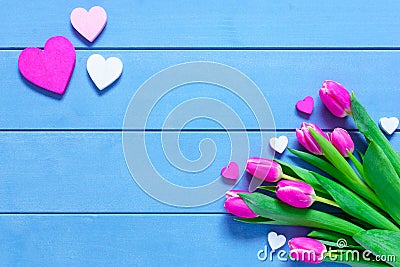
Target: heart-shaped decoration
<point>231,171</point>
<point>103,72</point>
<point>89,24</point>
<point>276,241</point>
<point>306,105</point>
<point>50,68</point>
<point>279,144</point>
<point>389,125</point>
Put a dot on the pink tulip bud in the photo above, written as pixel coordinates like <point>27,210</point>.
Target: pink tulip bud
<point>335,98</point>
<point>264,169</point>
<point>305,138</point>
<point>307,249</point>
<point>296,194</point>
<point>341,139</point>
<point>235,205</point>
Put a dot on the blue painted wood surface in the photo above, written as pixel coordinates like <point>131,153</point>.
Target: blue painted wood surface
<point>66,196</point>
<point>135,240</point>
<point>86,171</point>
<point>210,23</point>
<point>284,77</point>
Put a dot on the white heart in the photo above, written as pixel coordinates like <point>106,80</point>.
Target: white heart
<point>103,72</point>
<point>279,144</point>
<point>389,125</point>
<point>276,241</point>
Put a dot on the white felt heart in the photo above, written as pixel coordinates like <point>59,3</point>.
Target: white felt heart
<point>279,144</point>
<point>389,125</point>
<point>276,241</point>
<point>103,72</point>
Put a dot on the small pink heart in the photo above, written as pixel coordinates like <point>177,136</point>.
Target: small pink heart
<point>50,68</point>
<point>89,24</point>
<point>231,171</point>
<point>306,105</point>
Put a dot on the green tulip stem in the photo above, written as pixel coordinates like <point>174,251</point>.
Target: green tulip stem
<point>326,201</point>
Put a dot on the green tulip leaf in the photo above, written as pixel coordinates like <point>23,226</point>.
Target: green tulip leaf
<point>274,209</point>
<point>330,236</point>
<point>349,177</point>
<point>371,131</point>
<point>383,178</point>
<point>317,162</point>
<point>381,243</point>
<point>270,188</point>
<point>361,154</point>
<point>357,263</point>
<point>354,205</point>
<point>357,164</point>
<point>303,174</point>
<point>336,245</point>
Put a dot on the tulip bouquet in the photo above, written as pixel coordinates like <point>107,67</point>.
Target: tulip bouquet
<point>364,188</point>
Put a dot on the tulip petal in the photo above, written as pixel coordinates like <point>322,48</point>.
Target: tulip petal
<point>234,193</point>
<point>297,194</point>
<point>236,206</point>
<point>336,98</point>
<point>264,169</point>
<point>307,249</point>
<point>306,140</point>
<point>294,197</point>
<point>312,144</point>
<point>332,105</point>
<point>341,139</point>
<point>341,95</point>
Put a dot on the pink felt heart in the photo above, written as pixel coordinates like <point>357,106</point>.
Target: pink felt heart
<point>306,105</point>
<point>231,171</point>
<point>89,24</point>
<point>50,68</point>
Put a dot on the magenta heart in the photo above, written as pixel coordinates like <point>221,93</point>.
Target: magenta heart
<point>231,171</point>
<point>306,105</point>
<point>51,68</point>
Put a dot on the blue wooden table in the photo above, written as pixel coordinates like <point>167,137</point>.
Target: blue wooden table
<point>67,197</point>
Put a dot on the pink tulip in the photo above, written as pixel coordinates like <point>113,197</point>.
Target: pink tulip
<point>341,139</point>
<point>335,98</point>
<point>307,249</point>
<point>306,140</point>
<point>235,205</point>
<point>264,169</point>
<point>296,194</point>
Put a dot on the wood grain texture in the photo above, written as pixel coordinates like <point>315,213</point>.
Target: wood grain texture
<point>67,197</point>
<point>86,171</point>
<point>284,77</point>
<point>210,24</point>
<point>136,240</point>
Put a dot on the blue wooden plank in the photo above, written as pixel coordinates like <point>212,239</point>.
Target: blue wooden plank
<point>284,77</point>
<point>136,240</point>
<point>86,171</point>
<point>210,24</point>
